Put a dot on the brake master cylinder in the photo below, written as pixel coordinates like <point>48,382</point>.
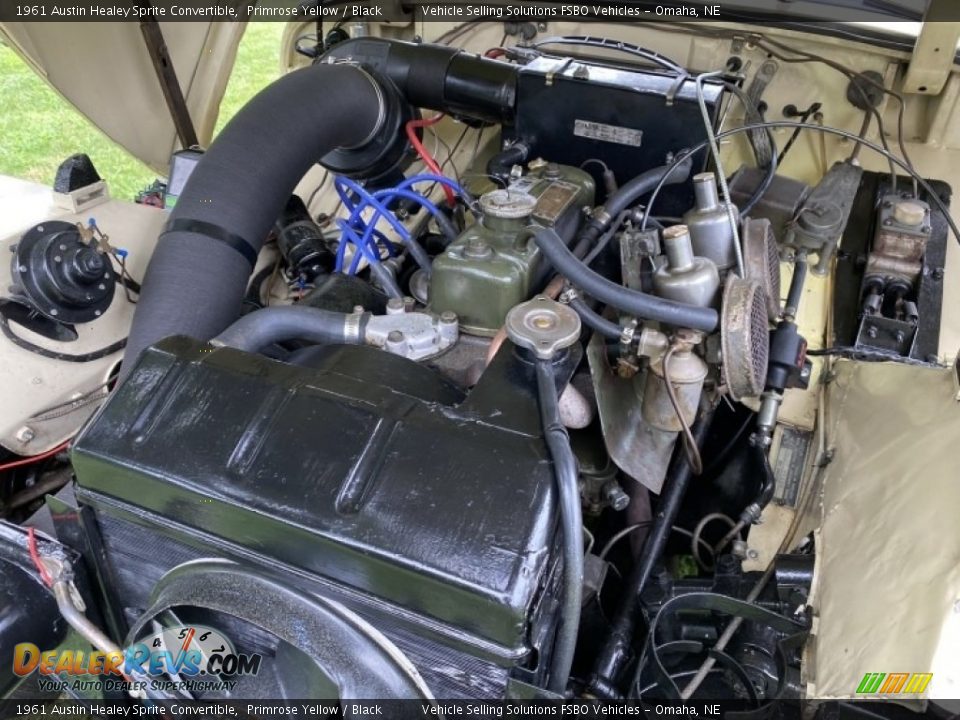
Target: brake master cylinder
<point>494,264</point>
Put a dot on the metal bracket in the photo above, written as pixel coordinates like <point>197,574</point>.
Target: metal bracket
<point>167,76</point>
<point>933,52</point>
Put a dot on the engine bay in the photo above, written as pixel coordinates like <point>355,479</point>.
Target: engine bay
<point>508,367</point>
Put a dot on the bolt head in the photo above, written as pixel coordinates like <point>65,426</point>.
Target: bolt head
<point>394,306</point>
<point>25,434</point>
<point>448,317</point>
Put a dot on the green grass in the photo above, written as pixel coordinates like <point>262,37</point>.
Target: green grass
<point>38,128</point>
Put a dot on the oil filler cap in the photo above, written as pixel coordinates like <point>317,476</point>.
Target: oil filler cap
<point>508,204</point>
<point>543,326</point>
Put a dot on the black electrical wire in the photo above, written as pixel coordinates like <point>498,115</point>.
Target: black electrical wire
<point>323,180</point>
<point>772,165</point>
<point>253,298</point>
<point>618,46</point>
<point>124,278</point>
<point>854,78</point>
<point>753,114</point>
<point>605,239</point>
<point>715,602</point>
<point>804,117</point>
<point>765,43</point>
<point>568,492</point>
<point>639,692</point>
<point>864,128</point>
<point>765,183</point>
<point>720,457</point>
<point>941,205</point>
<point>54,354</point>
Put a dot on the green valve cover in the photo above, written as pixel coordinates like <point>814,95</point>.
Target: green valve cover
<point>494,263</point>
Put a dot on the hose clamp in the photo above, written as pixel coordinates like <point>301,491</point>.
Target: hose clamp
<point>352,327</point>
<point>381,112</point>
<point>628,333</point>
<point>568,296</point>
<point>601,216</point>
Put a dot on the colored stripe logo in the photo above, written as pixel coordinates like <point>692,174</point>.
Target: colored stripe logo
<point>893,683</point>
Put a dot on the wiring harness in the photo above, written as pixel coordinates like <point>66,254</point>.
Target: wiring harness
<point>365,211</point>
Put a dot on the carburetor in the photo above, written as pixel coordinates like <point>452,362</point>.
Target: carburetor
<point>709,223</point>
<point>494,264</point>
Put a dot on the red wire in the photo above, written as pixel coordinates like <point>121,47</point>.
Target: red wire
<point>35,458</point>
<point>35,557</point>
<point>495,52</point>
<point>428,160</point>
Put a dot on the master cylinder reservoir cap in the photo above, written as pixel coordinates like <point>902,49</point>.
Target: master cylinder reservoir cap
<point>543,326</point>
<point>909,212</point>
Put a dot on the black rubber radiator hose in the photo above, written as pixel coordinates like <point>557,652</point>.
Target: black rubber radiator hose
<point>195,282</point>
<point>258,330</point>
<point>633,302</point>
<point>630,193</point>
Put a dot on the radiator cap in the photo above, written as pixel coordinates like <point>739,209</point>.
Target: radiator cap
<point>543,326</point>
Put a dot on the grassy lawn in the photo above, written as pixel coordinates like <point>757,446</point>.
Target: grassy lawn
<point>38,129</point>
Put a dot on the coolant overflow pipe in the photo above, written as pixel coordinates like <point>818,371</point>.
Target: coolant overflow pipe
<point>571,520</point>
